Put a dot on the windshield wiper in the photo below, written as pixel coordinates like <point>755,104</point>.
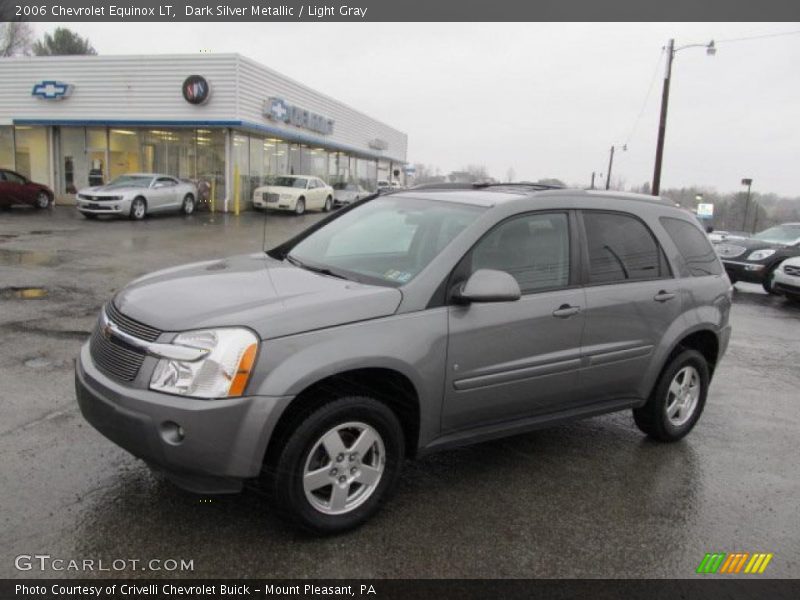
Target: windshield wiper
<point>321,270</point>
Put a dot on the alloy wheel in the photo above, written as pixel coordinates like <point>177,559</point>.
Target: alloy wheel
<point>343,468</point>
<point>683,395</point>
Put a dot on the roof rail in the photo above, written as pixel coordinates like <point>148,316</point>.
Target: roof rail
<point>483,185</point>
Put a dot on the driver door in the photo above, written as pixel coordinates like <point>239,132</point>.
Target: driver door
<point>164,194</point>
<point>510,360</point>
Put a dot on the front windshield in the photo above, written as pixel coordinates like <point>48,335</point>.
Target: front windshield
<point>386,241</point>
<point>138,181</point>
<point>780,234</point>
<point>285,181</point>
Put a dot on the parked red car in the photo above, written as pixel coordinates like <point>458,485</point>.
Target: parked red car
<point>17,189</point>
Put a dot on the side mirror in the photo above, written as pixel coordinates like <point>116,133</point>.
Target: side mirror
<point>489,285</point>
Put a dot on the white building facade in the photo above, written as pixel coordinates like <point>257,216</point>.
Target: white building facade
<point>221,120</point>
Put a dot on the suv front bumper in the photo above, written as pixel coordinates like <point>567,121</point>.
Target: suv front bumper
<point>223,441</point>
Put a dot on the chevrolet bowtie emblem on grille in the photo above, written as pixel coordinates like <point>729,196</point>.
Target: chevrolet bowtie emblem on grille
<point>52,90</point>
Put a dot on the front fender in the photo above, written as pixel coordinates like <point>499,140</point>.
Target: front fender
<point>412,344</point>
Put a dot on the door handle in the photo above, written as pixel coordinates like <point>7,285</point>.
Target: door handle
<point>565,311</point>
<point>663,296</point>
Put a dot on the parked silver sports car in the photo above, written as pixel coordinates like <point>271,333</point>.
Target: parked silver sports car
<point>136,195</point>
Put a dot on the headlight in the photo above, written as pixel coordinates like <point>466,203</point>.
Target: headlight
<point>761,254</point>
<point>222,373</point>
<point>286,196</point>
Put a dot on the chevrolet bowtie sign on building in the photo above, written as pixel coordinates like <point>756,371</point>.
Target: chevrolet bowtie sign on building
<point>278,109</point>
<point>52,90</point>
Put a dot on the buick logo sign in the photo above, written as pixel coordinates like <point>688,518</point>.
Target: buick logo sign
<point>195,89</point>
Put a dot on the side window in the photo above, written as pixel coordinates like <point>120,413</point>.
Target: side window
<point>13,178</point>
<point>621,248</point>
<point>533,248</point>
<point>2,175</point>
<point>693,246</point>
<point>165,181</point>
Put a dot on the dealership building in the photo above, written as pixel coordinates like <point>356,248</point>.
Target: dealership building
<point>221,120</point>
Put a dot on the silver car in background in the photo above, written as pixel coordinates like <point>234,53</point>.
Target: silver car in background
<point>136,195</point>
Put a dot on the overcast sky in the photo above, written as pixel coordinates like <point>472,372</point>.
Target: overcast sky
<point>544,99</point>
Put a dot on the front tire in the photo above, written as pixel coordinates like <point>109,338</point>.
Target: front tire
<point>188,205</point>
<point>767,284</point>
<point>677,400</point>
<point>42,201</point>
<point>90,216</point>
<point>328,204</point>
<point>300,206</point>
<point>338,466</point>
<point>138,209</point>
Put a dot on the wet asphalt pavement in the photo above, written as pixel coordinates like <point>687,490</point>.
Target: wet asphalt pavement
<point>588,499</point>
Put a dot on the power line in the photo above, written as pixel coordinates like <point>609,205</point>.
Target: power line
<point>646,98</point>
<point>757,37</point>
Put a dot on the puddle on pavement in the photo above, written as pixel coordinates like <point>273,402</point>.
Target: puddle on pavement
<point>28,258</point>
<point>23,293</point>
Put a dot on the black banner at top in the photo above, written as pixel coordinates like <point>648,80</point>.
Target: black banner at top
<point>399,10</point>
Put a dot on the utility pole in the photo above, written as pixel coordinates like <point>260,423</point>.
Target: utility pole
<point>662,123</point>
<point>610,164</point>
<point>748,182</point>
<point>591,187</point>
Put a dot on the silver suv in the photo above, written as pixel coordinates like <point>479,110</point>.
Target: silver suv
<point>403,324</point>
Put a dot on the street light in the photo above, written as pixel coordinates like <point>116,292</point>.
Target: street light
<point>624,147</point>
<point>711,50</point>
<point>748,182</point>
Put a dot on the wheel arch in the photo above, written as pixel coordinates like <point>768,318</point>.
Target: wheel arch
<point>702,339</point>
<point>387,385</point>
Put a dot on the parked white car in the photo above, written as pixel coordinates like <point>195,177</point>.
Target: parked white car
<point>136,195</point>
<point>344,193</point>
<point>384,185</point>
<point>786,279</point>
<point>296,193</point>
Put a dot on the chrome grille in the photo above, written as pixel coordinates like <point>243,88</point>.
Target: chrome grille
<point>729,250</point>
<point>792,270</point>
<point>114,358</point>
<point>131,327</point>
<point>270,198</point>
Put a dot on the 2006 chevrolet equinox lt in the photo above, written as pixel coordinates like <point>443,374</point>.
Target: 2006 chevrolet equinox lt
<point>403,324</point>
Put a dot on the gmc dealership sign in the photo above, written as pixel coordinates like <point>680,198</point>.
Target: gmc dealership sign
<point>278,109</point>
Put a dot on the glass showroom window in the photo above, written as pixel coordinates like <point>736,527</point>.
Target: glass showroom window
<point>241,161</point>
<point>317,163</point>
<point>367,173</point>
<point>276,154</point>
<point>72,159</point>
<point>211,165</point>
<point>6,148</point>
<point>96,147</point>
<point>32,154</point>
<point>123,152</point>
<point>258,164</point>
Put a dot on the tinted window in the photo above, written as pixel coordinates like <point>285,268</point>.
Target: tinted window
<point>694,246</point>
<point>534,249</point>
<point>621,248</point>
<point>14,178</point>
<point>166,181</point>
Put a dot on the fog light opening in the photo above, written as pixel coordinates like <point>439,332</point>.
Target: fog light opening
<point>172,433</point>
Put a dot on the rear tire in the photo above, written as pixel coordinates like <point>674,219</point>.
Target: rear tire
<point>793,298</point>
<point>138,209</point>
<point>351,480</point>
<point>678,399</point>
<point>300,206</point>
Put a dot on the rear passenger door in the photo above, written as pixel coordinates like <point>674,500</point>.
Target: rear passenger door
<point>509,360</point>
<point>631,300</point>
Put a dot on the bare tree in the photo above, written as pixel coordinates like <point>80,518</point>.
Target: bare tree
<point>16,38</point>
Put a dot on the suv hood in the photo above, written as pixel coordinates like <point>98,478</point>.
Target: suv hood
<point>273,298</point>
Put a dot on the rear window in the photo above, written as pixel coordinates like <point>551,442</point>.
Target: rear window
<point>694,247</point>
<point>621,248</point>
